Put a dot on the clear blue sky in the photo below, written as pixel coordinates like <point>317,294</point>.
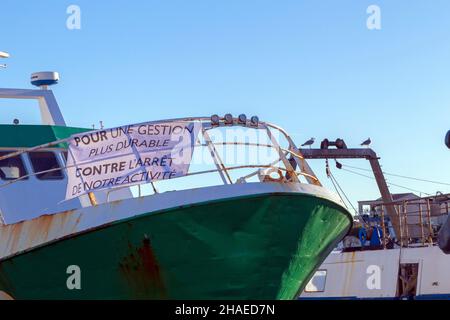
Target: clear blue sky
<point>310,66</point>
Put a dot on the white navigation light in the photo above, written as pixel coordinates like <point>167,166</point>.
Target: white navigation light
<point>228,118</point>
<point>215,120</point>
<point>254,121</point>
<point>44,79</point>
<point>242,119</point>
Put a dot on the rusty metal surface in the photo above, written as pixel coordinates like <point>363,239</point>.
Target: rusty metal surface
<point>365,153</point>
<point>142,272</point>
<point>27,234</point>
<point>22,236</point>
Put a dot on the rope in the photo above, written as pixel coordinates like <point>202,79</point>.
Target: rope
<point>329,175</point>
<point>401,176</point>
<point>388,183</point>
<point>333,178</point>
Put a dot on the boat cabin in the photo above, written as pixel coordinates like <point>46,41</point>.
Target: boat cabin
<point>30,183</point>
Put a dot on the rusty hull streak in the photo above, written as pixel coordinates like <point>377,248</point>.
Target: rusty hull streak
<point>116,202</point>
<point>141,270</point>
<point>349,273</point>
<point>31,233</point>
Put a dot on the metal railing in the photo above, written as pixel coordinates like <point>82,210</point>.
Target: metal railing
<point>420,220</point>
<point>293,165</point>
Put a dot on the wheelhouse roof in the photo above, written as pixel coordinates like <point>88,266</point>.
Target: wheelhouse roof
<point>27,136</point>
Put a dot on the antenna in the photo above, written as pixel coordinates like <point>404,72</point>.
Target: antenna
<point>3,55</point>
<point>44,79</point>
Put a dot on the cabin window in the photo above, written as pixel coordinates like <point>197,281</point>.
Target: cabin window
<point>43,161</point>
<point>11,168</point>
<point>317,282</point>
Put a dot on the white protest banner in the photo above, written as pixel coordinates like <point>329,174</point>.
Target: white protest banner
<point>129,155</point>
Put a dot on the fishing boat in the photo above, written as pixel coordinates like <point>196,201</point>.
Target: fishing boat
<point>399,243</point>
<point>376,262</point>
<point>253,231</point>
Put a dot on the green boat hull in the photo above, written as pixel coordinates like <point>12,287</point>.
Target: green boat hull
<point>252,247</point>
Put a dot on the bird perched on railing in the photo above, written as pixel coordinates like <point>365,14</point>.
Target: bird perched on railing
<point>366,143</point>
<point>309,142</point>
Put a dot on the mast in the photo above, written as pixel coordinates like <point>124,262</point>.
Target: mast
<point>50,112</point>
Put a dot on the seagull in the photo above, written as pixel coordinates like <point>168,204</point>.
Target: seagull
<point>366,143</point>
<point>309,142</point>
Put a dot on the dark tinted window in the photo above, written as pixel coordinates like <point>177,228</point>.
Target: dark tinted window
<point>43,161</point>
<point>11,168</point>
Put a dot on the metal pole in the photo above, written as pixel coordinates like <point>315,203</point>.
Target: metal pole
<point>383,226</point>
<point>92,199</point>
<point>406,222</point>
<point>400,224</point>
<point>430,238</point>
<point>303,165</point>
<point>217,160</point>
<point>361,153</point>
<point>421,223</point>
<point>285,161</point>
